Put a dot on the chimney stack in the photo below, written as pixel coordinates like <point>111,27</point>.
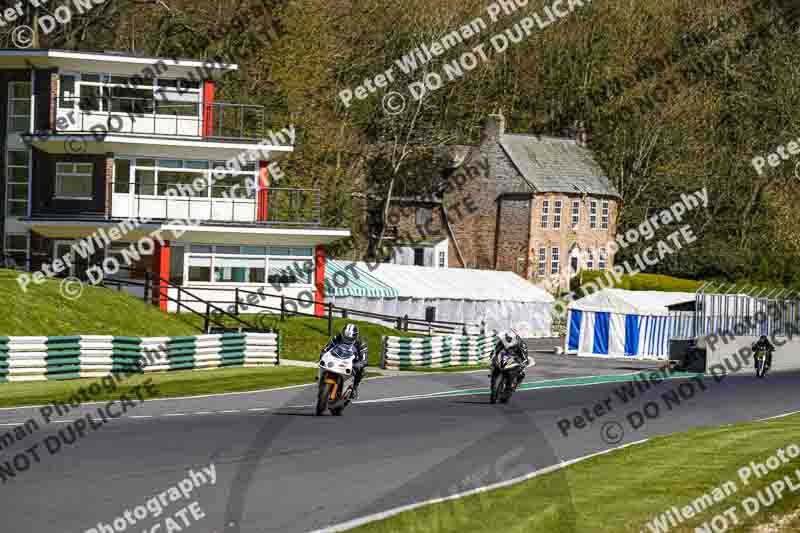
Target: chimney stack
<point>582,137</point>
<point>493,127</point>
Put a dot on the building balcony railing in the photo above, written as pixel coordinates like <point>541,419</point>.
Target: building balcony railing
<point>159,117</point>
<point>269,206</point>
<point>224,204</point>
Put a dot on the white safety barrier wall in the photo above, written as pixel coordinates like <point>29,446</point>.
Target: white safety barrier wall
<point>436,352</point>
<point>733,355</point>
<point>85,356</point>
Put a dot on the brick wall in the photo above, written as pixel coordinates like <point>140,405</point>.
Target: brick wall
<point>109,172</point>
<point>513,229</point>
<point>566,237</point>
<point>476,232</point>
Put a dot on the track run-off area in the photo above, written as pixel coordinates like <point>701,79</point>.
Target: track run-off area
<point>408,439</point>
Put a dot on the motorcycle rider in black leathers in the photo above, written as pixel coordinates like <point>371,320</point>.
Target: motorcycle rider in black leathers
<point>763,344</point>
<point>350,335</point>
<point>514,345</point>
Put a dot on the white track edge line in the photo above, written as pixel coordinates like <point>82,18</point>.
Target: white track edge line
<point>344,526</point>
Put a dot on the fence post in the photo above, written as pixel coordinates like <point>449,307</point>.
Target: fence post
<point>399,324</point>
<point>236,304</point>
<point>405,322</point>
<point>178,305</point>
<point>147,287</point>
<point>283,307</point>
<point>330,320</point>
<point>207,321</point>
<point>483,328</point>
<point>430,331</point>
<point>383,351</point>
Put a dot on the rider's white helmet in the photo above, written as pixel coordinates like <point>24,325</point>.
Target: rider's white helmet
<point>509,339</point>
<point>350,333</point>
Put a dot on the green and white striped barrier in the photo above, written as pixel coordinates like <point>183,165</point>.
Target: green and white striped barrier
<point>436,352</point>
<point>88,356</point>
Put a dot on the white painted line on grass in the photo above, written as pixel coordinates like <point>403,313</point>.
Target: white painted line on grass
<point>486,488</point>
<point>784,415</point>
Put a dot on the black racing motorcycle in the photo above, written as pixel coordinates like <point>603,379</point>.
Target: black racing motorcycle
<point>505,373</point>
<point>761,363</point>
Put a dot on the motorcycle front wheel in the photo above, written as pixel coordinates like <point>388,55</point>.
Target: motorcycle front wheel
<point>322,396</point>
<point>505,388</point>
<point>495,383</point>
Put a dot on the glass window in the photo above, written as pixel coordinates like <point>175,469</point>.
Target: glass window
<point>170,179</point>
<point>176,255</point>
<point>74,180</point>
<point>19,106</point>
<point>576,213</point>
<point>441,259</point>
<point>130,100</point>
<point>66,91</point>
<point>145,182</point>
<point>604,219</point>
<point>545,212</point>
<point>228,250</point>
<point>254,250</point>
<point>302,251</point>
<point>232,186</point>
<point>424,215</point>
<point>419,257</point>
<point>16,252</point>
<point>170,163</point>
<point>555,263</point>
<point>122,175</point>
<point>238,270</point>
<point>146,163</point>
<point>199,268</point>
<point>290,271</point>
<point>201,249</point>
<point>17,183</point>
<point>602,259</point>
<point>593,214</point>
<point>542,265</point>
<point>196,164</point>
<point>94,98</point>
<point>278,250</point>
<point>590,259</point>
<point>557,214</point>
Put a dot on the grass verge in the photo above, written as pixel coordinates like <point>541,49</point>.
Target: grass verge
<point>625,490</point>
<point>168,384</point>
<point>43,310</point>
<point>304,337</point>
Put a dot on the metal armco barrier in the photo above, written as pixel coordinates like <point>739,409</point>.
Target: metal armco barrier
<point>436,352</point>
<point>87,356</point>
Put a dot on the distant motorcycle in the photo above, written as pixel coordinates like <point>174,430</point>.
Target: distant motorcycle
<point>761,363</point>
<point>505,370</point>
<point>335,380</point>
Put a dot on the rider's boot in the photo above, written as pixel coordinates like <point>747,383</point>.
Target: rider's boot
<point>356,382</point>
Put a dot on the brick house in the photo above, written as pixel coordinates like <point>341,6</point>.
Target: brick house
<point>539,206</point>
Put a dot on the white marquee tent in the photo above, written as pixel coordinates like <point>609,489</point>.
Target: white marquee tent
<point>620,323</point>
<point>500,299</point>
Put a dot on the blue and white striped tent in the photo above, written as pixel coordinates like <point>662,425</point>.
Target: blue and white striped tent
<point>620,323</point>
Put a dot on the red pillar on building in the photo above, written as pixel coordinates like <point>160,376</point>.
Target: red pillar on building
<point>208,108</point>
<point>263,192</point>
<point>161,272</point>
<point>319,281</point>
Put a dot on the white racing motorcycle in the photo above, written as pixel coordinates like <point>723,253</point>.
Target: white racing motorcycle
<point>335,379</point>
